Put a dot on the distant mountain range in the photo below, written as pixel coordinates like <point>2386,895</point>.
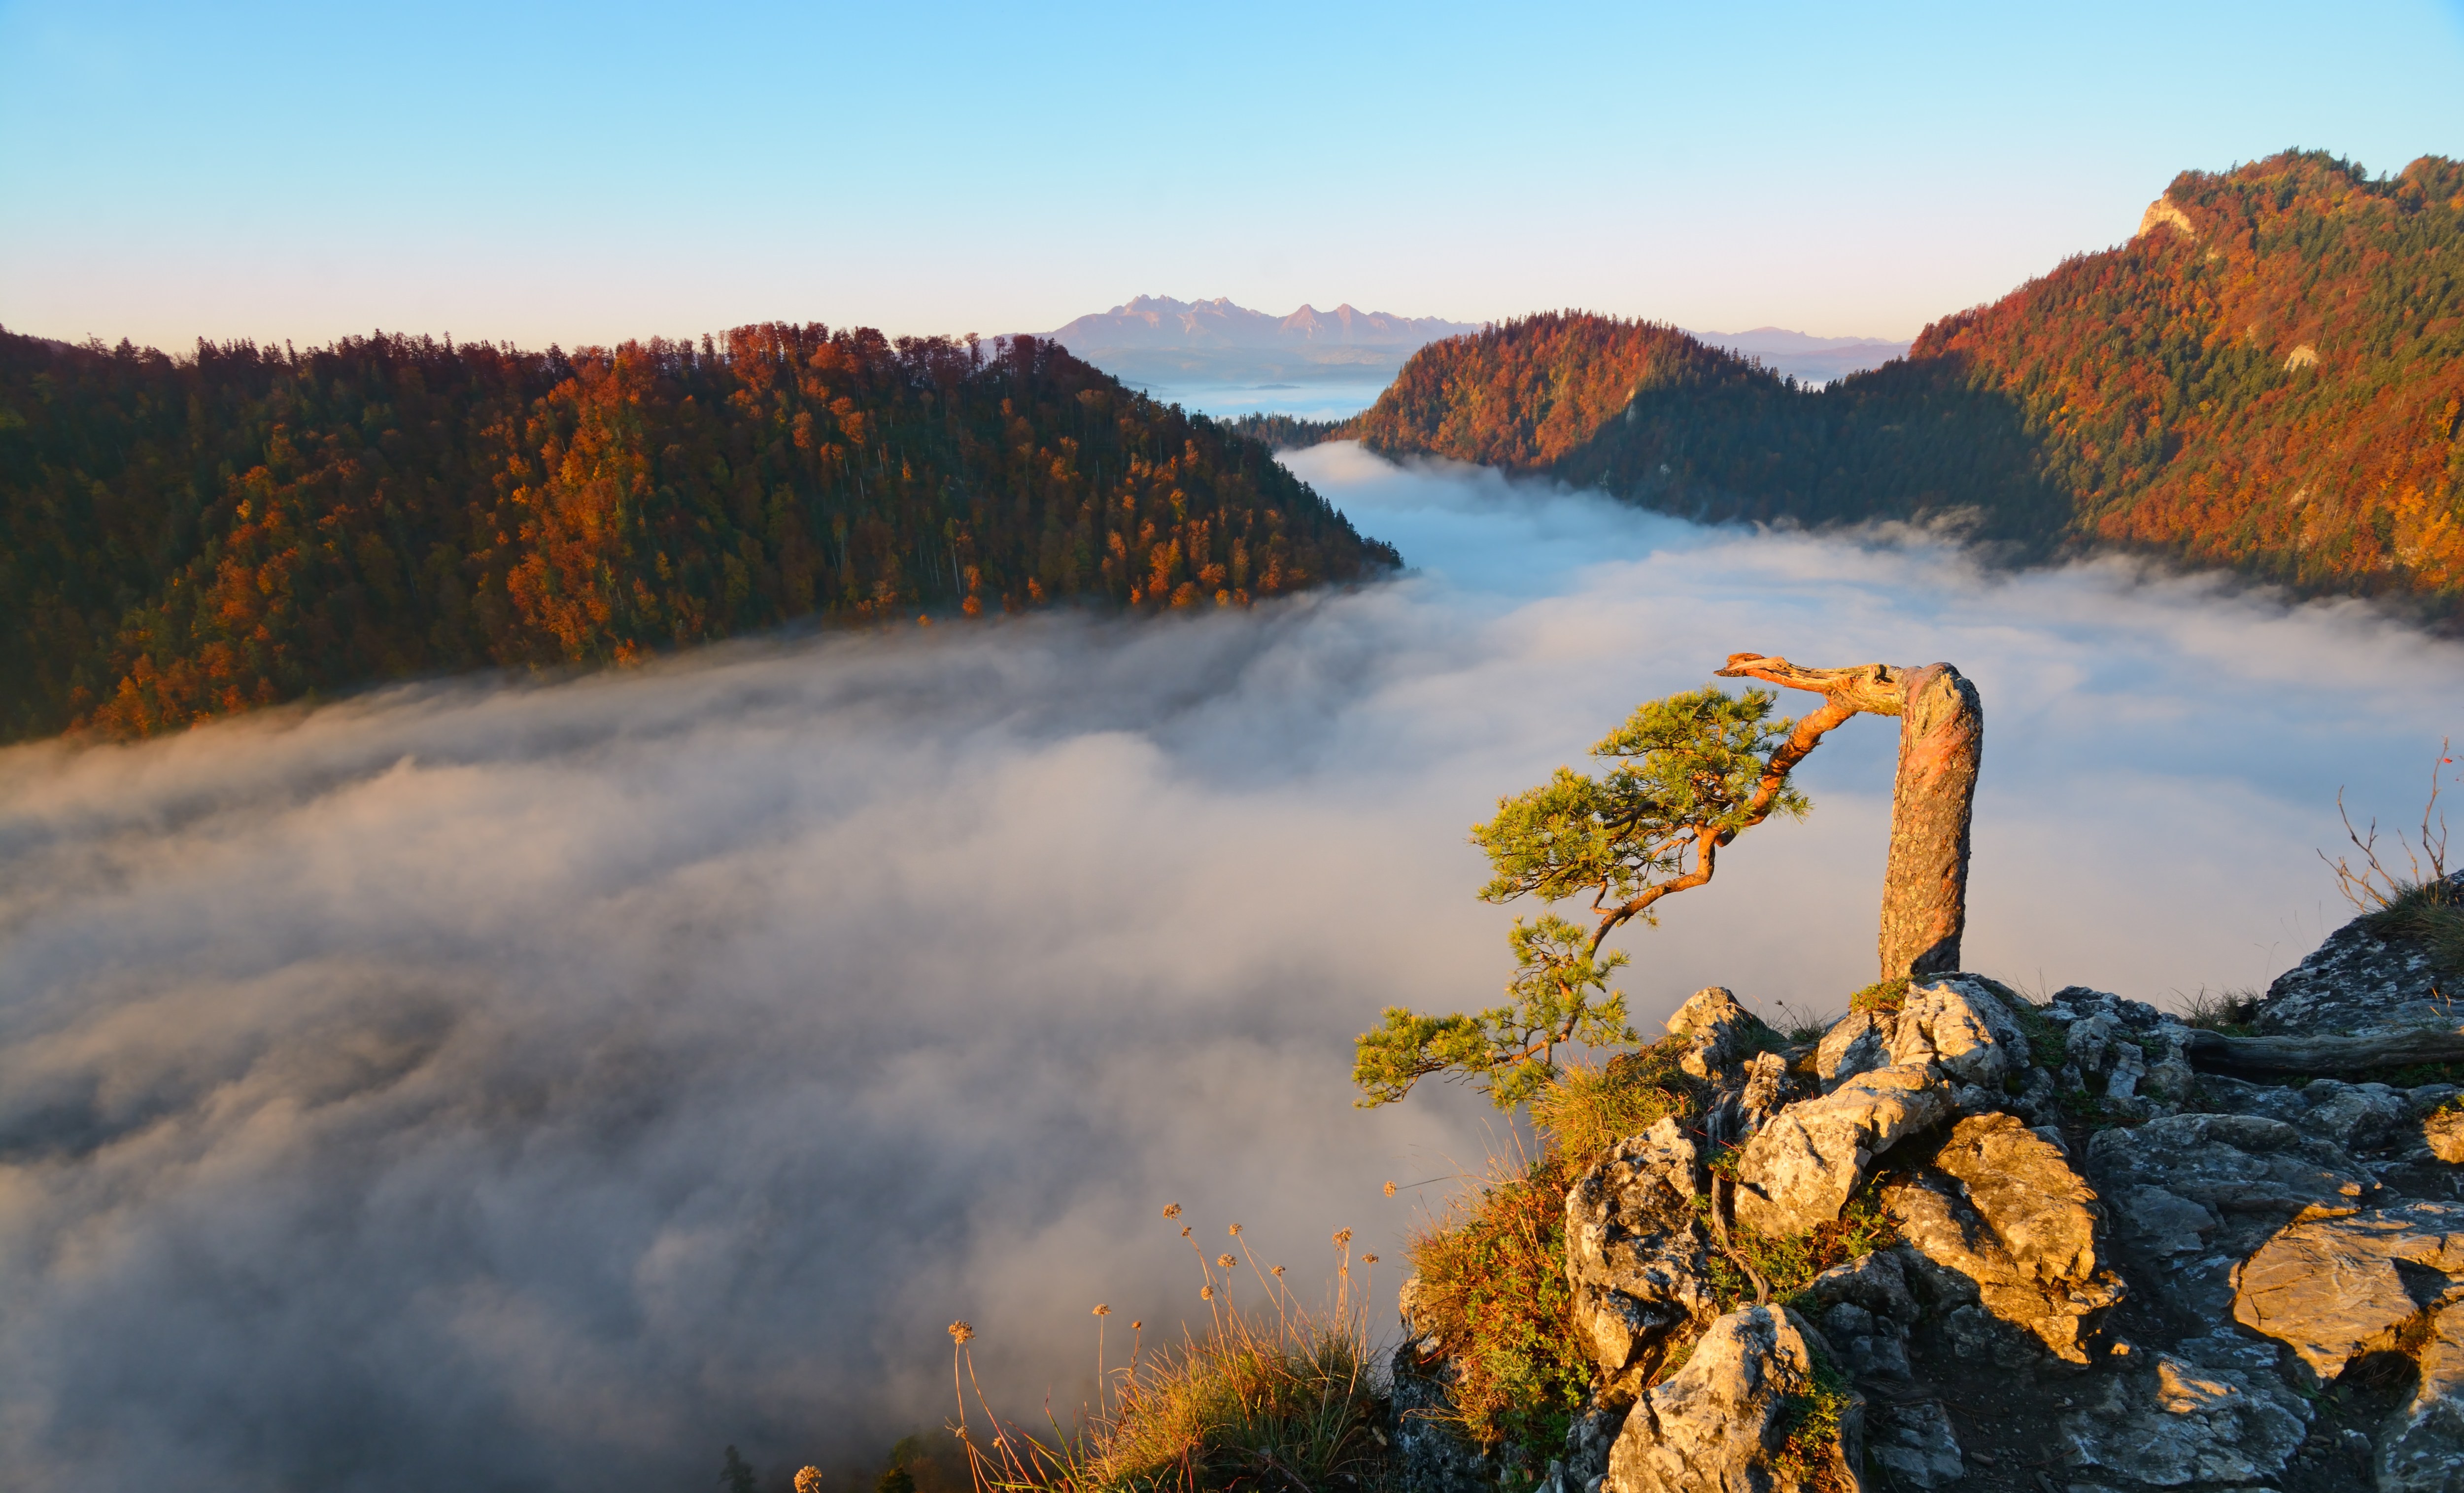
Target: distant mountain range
<point>1816,360</point>
<point>1157,339</point>
<point>1160,321</point>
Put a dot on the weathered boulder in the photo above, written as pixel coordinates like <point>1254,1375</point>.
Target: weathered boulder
<point>1865,1311</point>
<point>2213,1411</point>
<point>2421,1447</point>
<point>1766,1090</point>
<point>1857,1042</point>
<point>1958,1026</point>
<point>2355,980</point>
<point>2004,1225</point>
<point>1803,1166</point>
<point>1430,1457</point>
<point>1720,1423</point>
<point>1585,1462</point>
<point>2020,1228</point>
<point>2335,1288</point>
<point>2443,1134</point>
<point>1636,1256</point>
<point>2132,1057</point>
<point>1717,1029</point>
<point>1915,1445</point>
<point>2194,1193</point>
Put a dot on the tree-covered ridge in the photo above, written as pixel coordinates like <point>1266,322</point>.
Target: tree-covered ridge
<point>2271,377</point>
<point>1641,409</point>
<point>187,537</point>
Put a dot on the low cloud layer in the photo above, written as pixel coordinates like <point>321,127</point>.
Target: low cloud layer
<point>544,1086</point>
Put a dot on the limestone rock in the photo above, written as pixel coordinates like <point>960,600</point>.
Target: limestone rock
<point>1866,1309</point>
<point>1432,1459</point>
<point>1717,1424</point>
<point>2019,1232</point>
<point>1916,1446</point>
<point>2421,1448</point>
<point>2354,981</point>
<point>2445,1135</point>
<point>2194,1194</point>
<point>1636,1256</point>
<point>1766,1090</point>
<point>1857,1042</point>
<point>2335,1288</point>
<point>1801,1168</point>
<point>1717,1027</point>
<point>1959,1026</point>
<point>2208,1413</point>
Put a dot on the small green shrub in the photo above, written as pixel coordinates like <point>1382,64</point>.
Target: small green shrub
<point>1789,1265</point>
<point>1887,995</point>
<point>2226,1011</point>
<point>1493,1291</point>
<point>1810,1457</point>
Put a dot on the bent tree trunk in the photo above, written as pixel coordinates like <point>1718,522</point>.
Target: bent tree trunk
<point>1942,740</point>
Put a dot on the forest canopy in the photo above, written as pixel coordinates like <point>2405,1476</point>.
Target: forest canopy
<point>2270,375</point>
<point>186,538</point>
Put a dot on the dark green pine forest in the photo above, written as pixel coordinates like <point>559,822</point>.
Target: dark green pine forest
<point>187,537</point>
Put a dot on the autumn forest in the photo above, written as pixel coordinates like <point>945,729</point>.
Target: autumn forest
<point>182,538</point>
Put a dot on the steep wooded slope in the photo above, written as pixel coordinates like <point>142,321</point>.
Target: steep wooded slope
<point>182,539</point>
<point>2270,375</point>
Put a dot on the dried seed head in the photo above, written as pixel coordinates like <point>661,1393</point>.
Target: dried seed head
<point>1103,1311</point>
<point>1343,1238</point>
<point>809,1481</point>
<point>961,1332</point>
<point>1277,1273</point>
<point>1369,1260</point>
<point>1184,1231</point>
<point>1224,1259</point>
<point>1206,1293</point>
<point>1236,1231</point>
<point>1172,1209</point>
<point>1390,1189</point>
<point>1136,1326</point>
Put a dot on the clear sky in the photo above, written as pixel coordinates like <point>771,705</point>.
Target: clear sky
<point>588,172</point>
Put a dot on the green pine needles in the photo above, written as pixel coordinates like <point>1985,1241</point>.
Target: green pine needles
<point>1688,773</point>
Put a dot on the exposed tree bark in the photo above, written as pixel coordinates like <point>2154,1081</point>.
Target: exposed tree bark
<point>1941,742</point>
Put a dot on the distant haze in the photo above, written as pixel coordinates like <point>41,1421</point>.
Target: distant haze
<point>1818,359</point>
<point>507,1084</point>
<point>1224,358</point>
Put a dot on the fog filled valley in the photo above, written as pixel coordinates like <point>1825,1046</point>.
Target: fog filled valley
<point>502,1084</point>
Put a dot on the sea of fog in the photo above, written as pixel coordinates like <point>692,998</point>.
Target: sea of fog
<point>544,1086</point>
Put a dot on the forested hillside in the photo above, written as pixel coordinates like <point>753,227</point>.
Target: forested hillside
<point>186,538</point>
<point>2270,375</point>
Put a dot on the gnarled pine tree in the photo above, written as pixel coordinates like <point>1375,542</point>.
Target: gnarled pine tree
<point>1690,772</point>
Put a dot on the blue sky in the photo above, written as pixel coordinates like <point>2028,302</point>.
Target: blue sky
<point>583,173</point>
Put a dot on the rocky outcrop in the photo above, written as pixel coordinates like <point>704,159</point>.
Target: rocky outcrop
<point>2008,1227</point>
<point>1717,1030</point>
<point>2194,1194</point>
<point>1722,1423</point>
<point>2333,1289</point>
<point>1857,1042</point>
<point>2213,1411</point>
<point>1636,1257</point>
<point>1915,1445</point>
<point>1802,1168</point>
<point>2357,979</point>
<point>1959,1027</point>
<point>2421,1447</point>
<point>1866,1313</point>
